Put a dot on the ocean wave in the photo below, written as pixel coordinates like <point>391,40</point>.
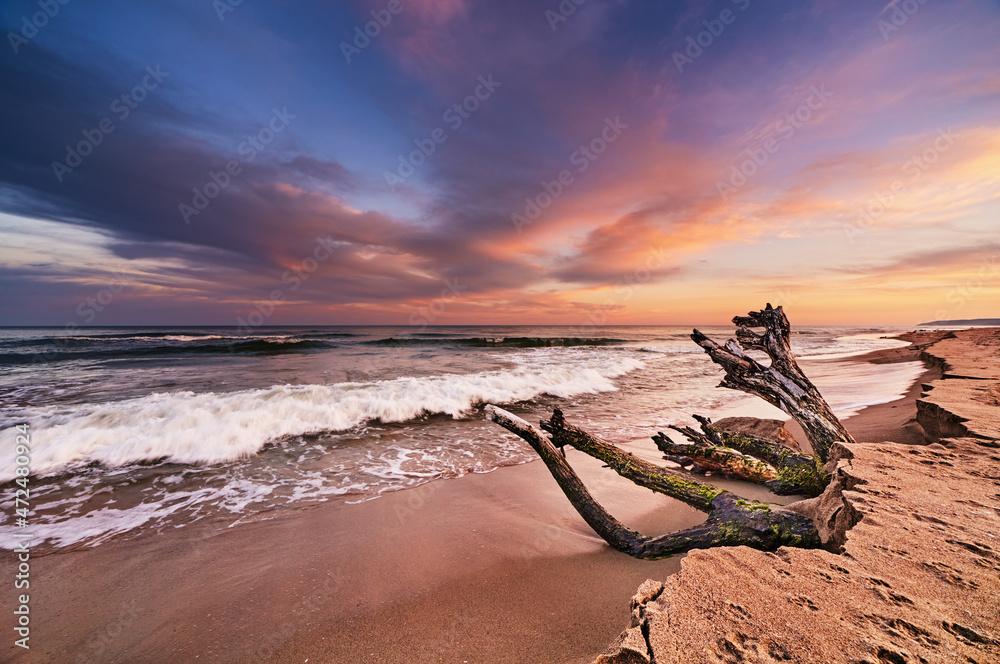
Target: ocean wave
<point>172,336</point>
<point>105,339</point>
<point>260,346</point>
<point>497,342</point>
<point>664,350</point>
<point>320,334</point>
<point>845,346</point>
<point>204,428</point>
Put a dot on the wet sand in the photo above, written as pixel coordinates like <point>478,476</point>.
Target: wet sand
<point>485,568</point>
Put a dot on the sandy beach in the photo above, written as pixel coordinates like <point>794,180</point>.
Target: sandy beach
<point>909,567</point>
<point>485,568</point>
<point>471,332</point>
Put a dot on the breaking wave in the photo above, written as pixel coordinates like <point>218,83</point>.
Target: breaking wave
<point>497,342</point>
<point>72,351</point>
<point>198,428</point>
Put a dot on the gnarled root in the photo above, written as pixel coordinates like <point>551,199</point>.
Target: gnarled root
<point>783,470</point>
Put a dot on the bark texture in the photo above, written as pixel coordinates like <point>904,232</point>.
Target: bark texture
<point>731,520</point>
<point>782,383</point>
<point>743,456</point>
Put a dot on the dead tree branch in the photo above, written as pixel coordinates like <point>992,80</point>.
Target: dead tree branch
<point>781,384</point>
<point>731,520</point>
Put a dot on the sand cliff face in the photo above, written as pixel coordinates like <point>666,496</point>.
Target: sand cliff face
<point>918,573</point>
<point>964,402</point>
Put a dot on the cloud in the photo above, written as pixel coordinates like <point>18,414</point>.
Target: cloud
<point>935,261</point>
<point>653,192</point>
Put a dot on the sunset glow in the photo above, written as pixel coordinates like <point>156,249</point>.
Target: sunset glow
<point>502,162</point>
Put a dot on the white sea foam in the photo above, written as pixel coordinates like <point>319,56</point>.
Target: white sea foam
<point>65,513</point>
<point>848,345</point>
<point>354,455</point>
<point>192,428</point>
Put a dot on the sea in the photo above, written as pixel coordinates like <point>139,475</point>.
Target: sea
<point>137,430</point>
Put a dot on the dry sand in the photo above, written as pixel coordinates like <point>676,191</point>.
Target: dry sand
<point>486,568</point>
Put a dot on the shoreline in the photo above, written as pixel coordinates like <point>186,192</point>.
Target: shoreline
<point>477,568</point>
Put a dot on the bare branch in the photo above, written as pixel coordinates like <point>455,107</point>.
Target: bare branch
<point>731,521</point>
<point>782,384</point>
<point>662,480</point>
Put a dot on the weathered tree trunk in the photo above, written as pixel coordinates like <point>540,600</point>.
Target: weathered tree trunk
<point>781,384</point>
<point>629,466</point>
<point>709,455</point>
<point>783,470</point>
<point>731,520</point>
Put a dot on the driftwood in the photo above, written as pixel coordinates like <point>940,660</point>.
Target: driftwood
<point>781,384</point>
<point>731,520</point>
<point>781,469</point>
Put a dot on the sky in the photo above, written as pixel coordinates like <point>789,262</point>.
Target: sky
<point>422,162</point>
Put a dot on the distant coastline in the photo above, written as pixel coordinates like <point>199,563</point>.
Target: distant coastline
<point>985,322</point>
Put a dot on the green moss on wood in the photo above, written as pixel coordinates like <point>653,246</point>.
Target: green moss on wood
<point>808,479</point>
<point>753,505</point>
